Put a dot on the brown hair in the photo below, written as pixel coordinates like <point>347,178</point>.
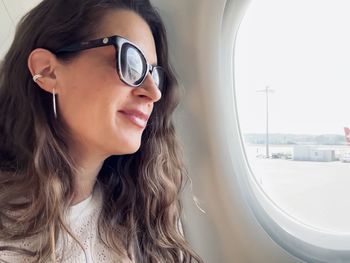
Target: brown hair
<point>141,191</point>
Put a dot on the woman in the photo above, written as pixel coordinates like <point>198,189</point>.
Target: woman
<point>89,165</point>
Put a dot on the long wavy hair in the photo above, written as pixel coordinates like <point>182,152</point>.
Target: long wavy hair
<point>140,192</point>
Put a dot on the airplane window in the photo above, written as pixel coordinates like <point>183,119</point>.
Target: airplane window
<point>292,63</point>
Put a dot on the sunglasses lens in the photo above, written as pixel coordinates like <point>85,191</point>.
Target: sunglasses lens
<point>158,77</point>
<point>132,64</point>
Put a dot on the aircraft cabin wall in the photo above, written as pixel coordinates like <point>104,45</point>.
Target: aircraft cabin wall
<point>228,231</point>
<point>241,223</point>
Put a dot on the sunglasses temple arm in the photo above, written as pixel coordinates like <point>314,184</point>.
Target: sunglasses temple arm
<point>85,45</point>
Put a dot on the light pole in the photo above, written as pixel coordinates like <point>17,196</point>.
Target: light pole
<point>267,90</point>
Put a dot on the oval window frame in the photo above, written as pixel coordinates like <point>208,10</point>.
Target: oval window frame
<point>305,242</point>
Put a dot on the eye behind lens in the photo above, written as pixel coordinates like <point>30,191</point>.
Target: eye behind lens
<point>133,64</point>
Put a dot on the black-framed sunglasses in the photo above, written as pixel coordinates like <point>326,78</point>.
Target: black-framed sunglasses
<point>131,63</point>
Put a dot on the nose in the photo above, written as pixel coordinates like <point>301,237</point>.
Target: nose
<point>148,89</point>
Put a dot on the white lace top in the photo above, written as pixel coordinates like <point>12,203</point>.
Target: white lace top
<point>83,223</point>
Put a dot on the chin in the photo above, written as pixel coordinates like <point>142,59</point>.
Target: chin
<point>129,148</point>
<point>133,150</point>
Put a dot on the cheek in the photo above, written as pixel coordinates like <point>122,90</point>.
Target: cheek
<point>89,102</point>
<point>90,110</point>
<point>82,96</point>
<point>85,90</point>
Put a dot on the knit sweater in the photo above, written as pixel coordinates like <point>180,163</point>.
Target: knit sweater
<point>82,219</point>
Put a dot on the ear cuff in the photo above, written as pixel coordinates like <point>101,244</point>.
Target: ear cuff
<point>36,76</point>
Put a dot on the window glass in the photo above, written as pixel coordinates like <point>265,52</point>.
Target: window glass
<point>292,64</point>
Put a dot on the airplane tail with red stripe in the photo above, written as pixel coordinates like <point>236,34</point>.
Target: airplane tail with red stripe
<point>347,135</point>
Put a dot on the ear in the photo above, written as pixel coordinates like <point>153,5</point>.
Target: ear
<point>42,61</point>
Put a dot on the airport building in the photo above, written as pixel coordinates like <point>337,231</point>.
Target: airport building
<point>312,153</point>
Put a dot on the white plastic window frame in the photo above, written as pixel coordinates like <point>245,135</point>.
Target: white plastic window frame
<point>302,241</point>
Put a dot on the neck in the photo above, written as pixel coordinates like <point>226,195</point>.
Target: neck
<point>89,165</point>
<point>84,182</point>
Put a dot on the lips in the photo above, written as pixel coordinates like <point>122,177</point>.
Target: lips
<point>137,117</point>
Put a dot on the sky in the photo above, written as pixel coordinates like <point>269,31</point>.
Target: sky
<point>301,50</point>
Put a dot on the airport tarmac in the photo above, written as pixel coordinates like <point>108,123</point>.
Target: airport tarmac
<point>317,193</point>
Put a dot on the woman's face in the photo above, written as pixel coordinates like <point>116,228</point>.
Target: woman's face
<point>99,109</point>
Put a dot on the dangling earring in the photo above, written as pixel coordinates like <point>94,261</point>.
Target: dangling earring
<point>36,76</point>
<point>54,103</point>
